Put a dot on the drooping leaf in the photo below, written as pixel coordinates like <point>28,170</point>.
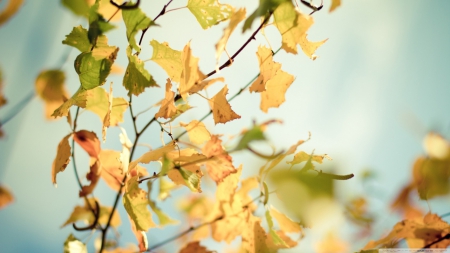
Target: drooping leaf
<point>163,218</point>
<point>165,187</point>
<point>168,59</point>
<point>107,118</point>
<point>254,134</point>
<point>209,12</point>
<point>78,99</point>
<point>197,131</point>
<point>97,101</point>
<point>267,67</point>
<point>95,170</point>
<point>73,245</point>
<point>254,236</point>
<point>135,20</point>
<point>126,151</point>
<point>50,88</point>
<point>220,164</point>
<point>285,223</point>
<point>88,141</point>
<point>2,96</point>
<point>304,157</point>
<point>235,19</point>
<point>84,213</point>
<point>97,23</point>
<point>265,7</point>
<point>62,157</point>
<point>6,197</point>
<point>273,248</point>
<point>275,238</point>
<point>309,47</point>
<point>136,77</point>
<point>221,109</point>
<point>195,247</point>
<point>78,38</point>
<point>112,173</point>
<point>181,108</point>
<point>11,8</point>
<point>335,4</point>
<point>167,109</point>
<point>191,74</point>
<point>276,88</point>
<point>136,202</point>
<point>78,7</point>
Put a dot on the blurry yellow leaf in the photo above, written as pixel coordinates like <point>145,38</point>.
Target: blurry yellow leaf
<point>97,101</point>
<point>273,248</point>
<point>431,177</point>
<point>235,19</point>
<point>285,223</point>
<point>153,155</point>
<point>254,236</point>
<point>404,204</point>
<point>303,157</point>
<point>73,245</point>
<point>292,25</point>
<point>111,172</point>
<point>107,118</point>
<point>334,4</point>
<point>140,235</point>
<point>168,59</point>
<point>62,157</point>
<point>163,218</point>
<point>78,99</point>
<point>220,164</point>
<point>194,247</point>
<point>11,8</point>
<point>209,12</point>
<point>197,131</point>
<point>50,88</point>
<point>6,197</point>
<point>275,238</point>
<point>332,244</point>
<point>191,74</point>
<point>221,109</point>
<point>167,109</point>
<point>106,9</point>
<point>84,213</point>
<point>309,47</point>
<point>188,171</point>
<point>267,67</point>
<point>436,146</point>
<point>136,202</point>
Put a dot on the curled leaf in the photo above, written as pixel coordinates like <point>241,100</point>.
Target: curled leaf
<point>62,157</point>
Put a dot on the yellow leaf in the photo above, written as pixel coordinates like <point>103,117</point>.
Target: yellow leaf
<point>197,131</point>
<point>221,109</point>
<point>168,59</point>
<point>50,88</point>
<point>254,236</point>
<point>436,146</point>
<point>106,9</point>
<point>267,67</point>
<point>191,74</point>
<point>84,213</point>
<point>190,174</point>
<point>309,47</point>
<point>78,99</point>
<point>153,155</point>
<point>285,223</point>
<point>6,197</point>
<point>97,101</point>
<point>276,87</point>
<point>136,202</point>
<point>334,4</point>
<point>220,164</point>
<point>11,8</point>
<point>194,247</point>
<point>332,244</point>
<point>62,157</point>
<point>209,12</point>
<point>167,109</point>
<point>275,247</point>
<point>292,25</point>
<point>235,19</point>
<point>107,118</point>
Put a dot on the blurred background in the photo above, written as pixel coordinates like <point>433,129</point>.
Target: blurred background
<point>379,84</point>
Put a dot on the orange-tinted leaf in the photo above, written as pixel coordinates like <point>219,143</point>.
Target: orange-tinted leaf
<point>197,131</point>
<point>88,141</point>
<point>335,4</point>
<point>167,109</point>
<point>93,176</point>
<point>332,244</point>
<point>221,163</point>
<point>189,174</point>
<point>221,109</point>
<point>62,157</point>
<point>358,213</point>
<point>136,202</point>
<point>191,74</point>
<point>111,168</point>
<point>2,96</point>
<point>403,204</point>
<point>194,247</point>
<point>6,197</point>
<point>50,88</point>
<point>11,8</point>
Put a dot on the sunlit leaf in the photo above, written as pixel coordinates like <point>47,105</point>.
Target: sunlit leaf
<point>95,170</point>
<point>50,88</point>
<point>163,218</point>
<point>220,164</point>
<point>436,146</point>
<point>78,7</point>
<point>265,7</point>
<point>106,9</point>
<point>6,197</point>
<point>195,247</point>
<point>140,235</point>
<point>78,38</point>
<point>267,69</point>
<point>288,242</point>
<point>335,4</point>
<point>97,23</point>
<point>197,132</point>
<point>136,202</point>
<point>191,74</point>
<point>135,20</point>
<point>254,236</point>
<point>209,12</point>
<point>431,177</point>
<point>78,99</point>
<point>168,59</point>
<point>184,168</point>
<point>275,238</point>
<point>167,109</point>
<point>309,47</point>
<point>331,243</point>
<point>88,141</point>
<point>84,213</point>
<point>62,157</point>
<point>221,109</point>
<point>97,101</point>
<point>285,223</point>
<point>73,245</point>
<point>153,155</point>
<point>136,77</point>
<point>11,8</point>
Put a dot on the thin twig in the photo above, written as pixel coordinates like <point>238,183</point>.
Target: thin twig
<point>162,12</point>
<point>124,6</point>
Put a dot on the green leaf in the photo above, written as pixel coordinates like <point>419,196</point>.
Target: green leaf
<point>92,69</point>
<point>136,77</point>
<point>73,245</point>
<point>163,218</point>
<point>135,201</point>
<point>266,193</point>
<point>276,239</point>
<point>168,59</point>
<point>264,8</point>
<point>209,12</point>
<point>135,20</point>
<point>78,7</point>
<point>78,99</point>
<point>78,38</point>
<point>254,134</point>
<point>192,179</point>
<point>97,24</point>
<point>98,103</point>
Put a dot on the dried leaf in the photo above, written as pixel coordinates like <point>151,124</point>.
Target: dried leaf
<point>88,141</point>
<point>335,4</point>
<point>92,176</point>
<point>285,223</point>
<point>191,74</point>
<point>221,109</point>
<point>197,132</point>
<point>220,164</point>
<point>167,109</point>
<point>62,157</point>
<point>6,197</point>
<point>136,202</point>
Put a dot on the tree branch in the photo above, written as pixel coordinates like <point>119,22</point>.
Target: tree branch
<point>162,12</point>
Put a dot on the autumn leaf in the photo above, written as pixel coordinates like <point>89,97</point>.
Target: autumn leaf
<point>163,218</point>
<point>73,245</point>
<point>265,7</point>
<point>235,19</point>
<point>168,59</point>
<point>6,197</point>
<point>106,9</point>
<point>97,23</point>
<point>62,157</point>
<point>357,211</point>
<point>78,38</point>
<point>254,236</point>
<point>195,247</point>
<point>286,224</point>
<point>111,168</point>
<point>50,88</point>
<point>2,96</point>
<point>221,109</point>
<point>136,77</point>
<point>332,244</point>
<point>185,168</point>
<point>97,101</point>
<point>78,99</point>
<point>167,109</point>
<point>220,164</point>
<point>84,213</point>
<point>267,69</point>
<point>209,12</point>
<point>275,238</point>
<point>404,204</point>
<point>153,155</point>
<point>436,146</point>
<point>197,131</point>
<point>256,133</point>
<point>95,170</point>
<point>273,248</point>
<point>276,88</point>
<point>136,202</point>
<point>335,4</point>
<point>135,20</point>
<point>191,74</point>
<point>309,47</point>
<point>431,177</point>
<point>140,235</point>
<point>9,10</point>
<point>88,141</point>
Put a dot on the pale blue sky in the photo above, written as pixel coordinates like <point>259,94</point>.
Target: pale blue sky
<point>380,82</point>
